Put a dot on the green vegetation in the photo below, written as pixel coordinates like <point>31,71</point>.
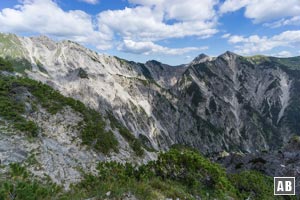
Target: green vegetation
<point>254,185</point>
<point>292,63</point>
<point>120,179</point>
<point>189,168</point>
<point>133,142</point>
<point>12,109</point>
<point>5,65</point>
<point>295,139</point>
<point>20,65</point>
<point>41,67</point>
<point>257,59</point>
<point>93,133</point>
<point>146,143</point>
<point>18,184</point>
<point>121,60</point>
<point>82,73</point>
<point>179,173</point>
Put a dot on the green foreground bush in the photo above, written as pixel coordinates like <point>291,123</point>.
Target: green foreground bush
<point>182,174</point>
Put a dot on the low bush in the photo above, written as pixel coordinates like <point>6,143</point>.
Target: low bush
<point>12,110</point>
<point>177,174</point>
<point>18,184</point>
<point>5,65</point>
<point>133,142</point>
<point>254,185</point>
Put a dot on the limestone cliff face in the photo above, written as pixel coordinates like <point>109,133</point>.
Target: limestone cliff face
<point>228,102</point>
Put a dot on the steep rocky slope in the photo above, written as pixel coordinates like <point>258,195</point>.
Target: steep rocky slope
<point>253,103</point>
<point>58,137</point>
<point>280,163</point>
<point>232,103</point>
<point>228,102</point>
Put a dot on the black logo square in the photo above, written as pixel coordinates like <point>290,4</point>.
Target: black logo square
<point>284,185</point>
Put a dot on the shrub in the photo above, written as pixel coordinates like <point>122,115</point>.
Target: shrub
<point>20,185</point>
<point>28,127</point>
<point>12,110</point>
<point>253,185</point>
<point>82,73</point>
<point>183,174</point>
<point>6,65</point>
<point>133,142</point>
<point>194,171</point>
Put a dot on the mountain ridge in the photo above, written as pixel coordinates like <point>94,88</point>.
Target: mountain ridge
<point>147,97</point>
<point>75,124</point>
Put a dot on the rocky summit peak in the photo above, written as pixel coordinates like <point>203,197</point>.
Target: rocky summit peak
<point>228,55</point>
<point>200,59</point>
<point>155,62</point>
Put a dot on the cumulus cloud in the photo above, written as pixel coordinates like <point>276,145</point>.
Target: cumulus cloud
<point>138,27</point>
<point>149,20</point>
<point>182,10</point>
<point>146,22</point>
<point>284,22</point>
<point>233,5</point>
<point>46,17</point>
<point>257,44</point>
<point>90,1</point>
<point>263,11</point>
<point>151,48</point>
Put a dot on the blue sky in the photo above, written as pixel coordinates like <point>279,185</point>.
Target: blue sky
<point>171,31</point>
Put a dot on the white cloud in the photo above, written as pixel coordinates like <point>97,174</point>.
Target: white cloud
<point>284,22</point>
<point>263,11</point>
<point>283,54</point>
<point>227,35</point>
<point>150,20</point>
<point>257,44</point>
<point>233,5</point>
<point>236,39</point>
<point>90,1</point>
<point>138,27</point>
<point>183,10</point>
<point>151,48</point>
<point>46,17</point>
<point>188,57</point>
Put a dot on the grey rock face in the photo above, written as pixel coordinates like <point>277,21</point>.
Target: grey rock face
<point>229,102</point>
<point>246,101</point>
<point>283,163</point>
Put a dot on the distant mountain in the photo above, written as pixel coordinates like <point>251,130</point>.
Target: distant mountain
<point>75,124</point>
<point>228,102</point>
